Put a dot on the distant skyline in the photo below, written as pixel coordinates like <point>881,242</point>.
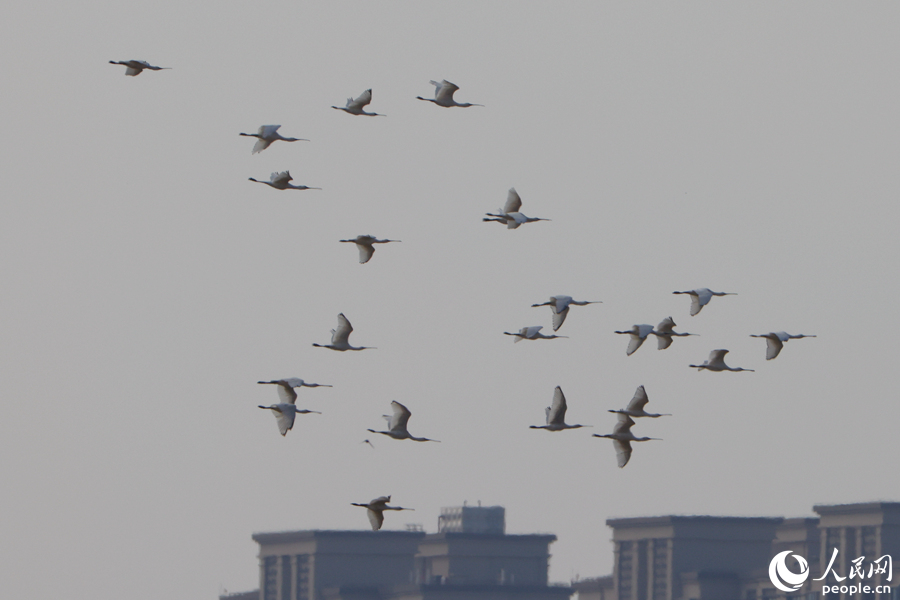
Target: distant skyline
<point>148,285</point>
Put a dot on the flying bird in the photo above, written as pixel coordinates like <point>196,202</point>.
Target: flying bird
<point>559,305</point>
<point>509,215</point>
<point>268,134</point>
<point>397,425</point>
<point>638,334</point>
<point>532,333</point>
<point>664,333</point>
<point>701,297</point>
<point>443,95</point>
<point>775,341</point>
<point>635,408</point>
<point>136,66</point>
<point>281,181</point>
<point>376,508</point>
<point>340,337</point>
<point>286,387</point>
<point>556,414</point>
<point>286,410</point>
<point>622,438</point>
<point>366,249</point>
<point>716,362</point>
<point>355,107</point>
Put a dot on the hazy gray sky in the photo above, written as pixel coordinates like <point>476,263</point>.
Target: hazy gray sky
<point>147,285</point>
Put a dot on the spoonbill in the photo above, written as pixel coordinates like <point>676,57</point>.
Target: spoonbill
<point>280,181</point>
<point>443,95</point>
<point>775,341</point>
<point>268,134</point>
<point>635,408</point>
<point>340,337</point>
<point>559,305</point>
<point>397,425</point>
<point>532,333</point>
<point>375,510</point>
<point>556,414</point>
<point>664,333</point>
<point>286,410</point>
<point>716,362</point>
<point>366,249</point>
<point>509,215</point>
<point>622,438</point>
<point>355,107</point>
<point>638,334</point>
<point>701,297</point>
<point>286,387</point>
<point>136,66</point>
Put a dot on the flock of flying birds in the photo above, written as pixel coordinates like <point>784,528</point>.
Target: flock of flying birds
<point>285,410</point>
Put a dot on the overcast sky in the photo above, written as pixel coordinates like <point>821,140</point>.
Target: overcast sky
<point>147,285</point>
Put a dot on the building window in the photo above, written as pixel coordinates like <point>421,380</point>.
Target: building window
<point>303,592</point>
<point>270,578</point>
<point>286,578</point>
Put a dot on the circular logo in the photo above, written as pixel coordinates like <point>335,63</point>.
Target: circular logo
<point>782,577</point>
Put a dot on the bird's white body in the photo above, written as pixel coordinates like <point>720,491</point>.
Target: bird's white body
<point>375,510</point>
<point>340,337</point>
<point>636,406</point>
<point>532,333</point>
<point>559,305</point>
<point>622,438</point>
<point>443,95</point>
<point>397,425</point>
<point>136,66</point>
<point>509,215</point>
<point>638,334</point>
<point>716,362</point>
<point>556,414</point>
<point>664,333</point>
<point>286,410</point>
<point>701,297</point>
<point>355,105</point>
<point>775,341</point>
<point>366,249</point>
<point>282,181</point>
<point>268,134</point>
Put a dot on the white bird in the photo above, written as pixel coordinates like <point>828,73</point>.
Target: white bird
<point>366,249</point>
<point>775,341</point>
<point>355,107</point>
<point>509,215</point>
<point>556,414</point>
<point>443,95</point>
<point>268,134</point>
<point>340,337</point>
<point>716,362</point>
<point>701,297</point>
<point>664,333</point>
<point>622,438</point>
<point>136,66</point>
<point>559,305</point>
<point>638,334</point>
<point>286,387</point>
<point>280,181</point>
<point>376,508</point>
<point>532,333</point>
<point>397,425</point>
<point>635,408</point>
<point>286,410</point>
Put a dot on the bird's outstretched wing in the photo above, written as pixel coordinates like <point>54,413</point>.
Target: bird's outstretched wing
<point>365,252</point>
<point>341,335</point>
<point>559,317</point>
<point>361,101</point>
<point>400,417</point>
<point>282,177</point>
<point>623,452</point>
<point>513,202</point>
<point>639,400</point>
<point>773,347</point>
<point>444,90</point>
<point>285,418</point>
<point>376,518</point>
<point>556,413</point>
